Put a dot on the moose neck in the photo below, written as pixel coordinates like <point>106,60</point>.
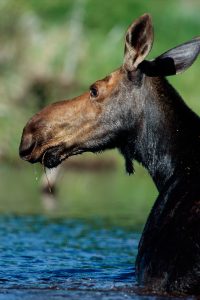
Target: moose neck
<point>162,132</point>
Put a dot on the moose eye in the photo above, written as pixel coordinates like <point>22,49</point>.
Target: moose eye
<point>94,92</point>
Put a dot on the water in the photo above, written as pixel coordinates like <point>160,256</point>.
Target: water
<point>41,258</point>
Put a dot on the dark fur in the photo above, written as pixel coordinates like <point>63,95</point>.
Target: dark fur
<point>167,143</point>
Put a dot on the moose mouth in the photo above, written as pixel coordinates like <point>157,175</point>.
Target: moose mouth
<point>54,156</point>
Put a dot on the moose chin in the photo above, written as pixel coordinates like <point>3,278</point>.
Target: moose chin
<point>137,111</point>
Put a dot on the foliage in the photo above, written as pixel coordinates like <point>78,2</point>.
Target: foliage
<point>52,50</point>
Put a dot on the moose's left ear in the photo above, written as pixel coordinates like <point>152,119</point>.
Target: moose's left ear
<point>138,42</point>
<point>174,61</point>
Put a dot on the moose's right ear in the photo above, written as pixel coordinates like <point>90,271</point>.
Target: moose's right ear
<point>138,42</point>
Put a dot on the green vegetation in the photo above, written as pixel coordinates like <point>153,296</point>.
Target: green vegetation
<point>52,50</point>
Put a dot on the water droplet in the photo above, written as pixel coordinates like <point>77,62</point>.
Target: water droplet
<point>36,173</point>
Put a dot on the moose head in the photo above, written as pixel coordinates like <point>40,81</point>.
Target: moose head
<point>112,110</point>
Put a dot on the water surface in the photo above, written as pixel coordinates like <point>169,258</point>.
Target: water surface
<point>43,258</point>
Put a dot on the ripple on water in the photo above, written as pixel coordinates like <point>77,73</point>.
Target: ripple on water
<point>42,258</point>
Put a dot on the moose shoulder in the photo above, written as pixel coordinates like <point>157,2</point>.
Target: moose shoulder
<point>137,111</point>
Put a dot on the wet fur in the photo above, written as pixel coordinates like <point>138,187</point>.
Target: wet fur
<point>169,252</point>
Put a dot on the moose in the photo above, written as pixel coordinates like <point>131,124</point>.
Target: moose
<point>137,111</point>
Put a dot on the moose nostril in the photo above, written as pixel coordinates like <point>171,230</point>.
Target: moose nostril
<point>26,147</point>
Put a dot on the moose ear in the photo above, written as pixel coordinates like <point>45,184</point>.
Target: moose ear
<point>138,42</point>
<point>174,61</point>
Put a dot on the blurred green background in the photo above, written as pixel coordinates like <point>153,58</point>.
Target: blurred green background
<point>53,50</point>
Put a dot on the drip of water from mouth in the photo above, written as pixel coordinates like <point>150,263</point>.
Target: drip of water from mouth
<point>48,183</point>
<point>35,173</point>
<point>45,172</point>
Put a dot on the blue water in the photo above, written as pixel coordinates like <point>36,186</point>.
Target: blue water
<point>41,258</point>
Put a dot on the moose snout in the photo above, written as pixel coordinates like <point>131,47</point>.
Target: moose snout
<point>26,147</point>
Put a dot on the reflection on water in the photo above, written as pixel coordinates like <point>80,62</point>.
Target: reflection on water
<point>45,254</point>
<point>42,258</point>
